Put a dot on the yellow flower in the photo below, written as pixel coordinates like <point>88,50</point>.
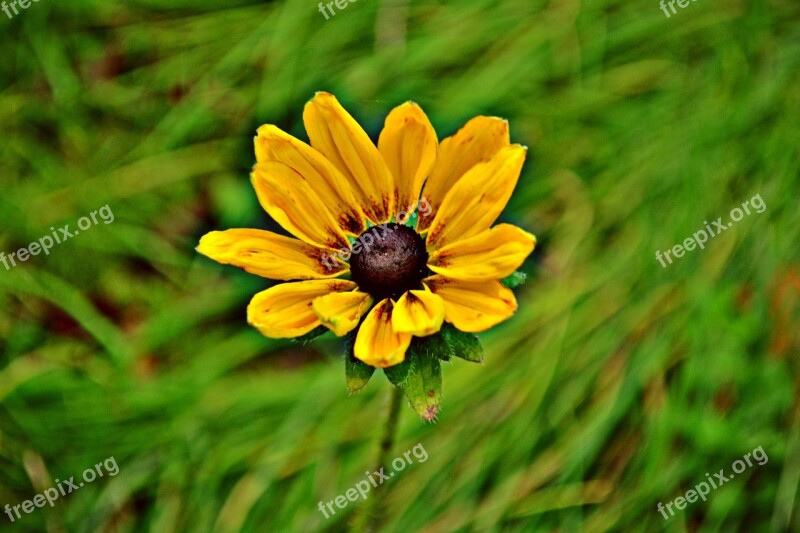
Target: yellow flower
<point>397,238</point>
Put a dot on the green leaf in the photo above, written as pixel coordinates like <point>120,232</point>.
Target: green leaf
<point>433,345</point>
<point>423,386</point>
<point>412,220</point>
<point>311,335</point>
<point>398,374</point>
<point>467,346</point>
<point>357,373</point>
<point>514,280</point>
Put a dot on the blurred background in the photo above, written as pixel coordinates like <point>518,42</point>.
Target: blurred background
<point>617,385</point>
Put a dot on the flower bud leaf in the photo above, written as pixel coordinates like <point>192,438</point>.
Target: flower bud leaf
<point>398,374</point>
<point>357,374</point>
<point>435,345</point>
<point>423,387</point>
<point>467,346</point>
<point>514,280</point>
<point>310,336</point>
<point>412,220</point>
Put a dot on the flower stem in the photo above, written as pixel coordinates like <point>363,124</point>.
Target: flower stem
<point>373,507</point>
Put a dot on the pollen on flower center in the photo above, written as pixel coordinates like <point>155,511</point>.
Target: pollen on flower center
<point>394,262</point>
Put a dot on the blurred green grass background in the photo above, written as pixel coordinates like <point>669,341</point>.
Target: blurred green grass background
<point>617,385</point>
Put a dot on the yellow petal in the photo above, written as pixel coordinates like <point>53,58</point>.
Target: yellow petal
<point>478,141</point>
<point>419,313</point>
<point>408,145</point>
<point>473,306</point>
<point>292,202</point>
<point>269,255</point>
<point>491,254</point>
<point>333,189</point>
<point>377,343</point>
<point>285,310</point>
<point>341,311</point>
<point>477,199</point>
<point>338,137</point>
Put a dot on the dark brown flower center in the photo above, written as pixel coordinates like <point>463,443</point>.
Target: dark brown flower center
<point>392,259</point>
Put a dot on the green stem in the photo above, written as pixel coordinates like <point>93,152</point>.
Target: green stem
<point>373,507</point>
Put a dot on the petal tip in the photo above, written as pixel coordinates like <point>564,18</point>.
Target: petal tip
<point>263,129</point>
<point>204,244</point>
<point>322,96</point>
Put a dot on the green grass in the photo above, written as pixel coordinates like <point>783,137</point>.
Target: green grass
<point>617,385</point>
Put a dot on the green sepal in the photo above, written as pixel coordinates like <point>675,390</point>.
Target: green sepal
<point>398,374</point>
<point>467,346</point>
<point>357,373</point>
<point>423,386</point>
<point>311,335</point>
<point>433,345</point>
<point>412,220</point>
<point>514,280</point>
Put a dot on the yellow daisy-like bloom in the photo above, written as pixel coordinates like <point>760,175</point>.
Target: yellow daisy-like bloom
<point>397,238</point>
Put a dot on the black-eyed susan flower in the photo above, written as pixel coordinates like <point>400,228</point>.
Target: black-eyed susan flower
<point>390,241</point>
